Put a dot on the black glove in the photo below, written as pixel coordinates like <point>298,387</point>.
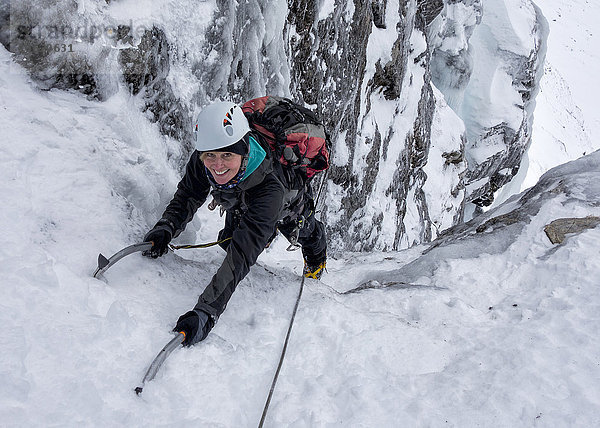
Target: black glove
<point>196,325</point>
<point>160,235</point>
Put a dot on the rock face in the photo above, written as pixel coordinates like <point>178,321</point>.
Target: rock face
<point>372,85</point>
<point>145,70</point>
<point>37,38</point>
<point>428,103</point>
<point>487,60</point>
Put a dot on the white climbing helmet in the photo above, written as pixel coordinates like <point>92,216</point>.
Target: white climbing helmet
<point>220,125</point>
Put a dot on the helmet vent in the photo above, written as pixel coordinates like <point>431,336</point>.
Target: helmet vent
<point>227,123</point>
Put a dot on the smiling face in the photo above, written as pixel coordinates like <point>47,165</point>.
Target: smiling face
<point>222,165</point>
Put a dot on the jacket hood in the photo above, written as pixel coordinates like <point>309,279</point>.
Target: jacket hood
<point>256,154</point>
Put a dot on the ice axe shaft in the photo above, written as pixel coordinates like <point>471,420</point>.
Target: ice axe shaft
<point>105,263</point>
<point>160,358</point>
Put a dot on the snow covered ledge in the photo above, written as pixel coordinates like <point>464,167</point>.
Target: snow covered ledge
<point>501,323</point>
<point>513,233</point>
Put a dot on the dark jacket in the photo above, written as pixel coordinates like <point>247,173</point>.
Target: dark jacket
<point>258,202</point>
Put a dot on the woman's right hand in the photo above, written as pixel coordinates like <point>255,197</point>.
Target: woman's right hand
<point>160,236</point>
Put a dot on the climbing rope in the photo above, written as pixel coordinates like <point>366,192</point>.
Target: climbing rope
<point>285,344</point>
<point>189,246</point>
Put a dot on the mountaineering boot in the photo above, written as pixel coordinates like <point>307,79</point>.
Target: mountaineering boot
<point>314,271</point>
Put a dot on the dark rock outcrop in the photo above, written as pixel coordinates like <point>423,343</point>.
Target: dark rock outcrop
<point>558,230</point>
<point>145,69</point>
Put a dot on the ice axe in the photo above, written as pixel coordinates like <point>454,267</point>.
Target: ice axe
<point>104,264</point>
<point>160,358</point>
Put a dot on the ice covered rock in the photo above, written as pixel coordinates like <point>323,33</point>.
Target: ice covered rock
<point>488,59</point>
<point>406,157</point>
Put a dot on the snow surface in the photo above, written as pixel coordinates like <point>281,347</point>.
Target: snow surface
<point>566,123</point>
<point>499,328</point>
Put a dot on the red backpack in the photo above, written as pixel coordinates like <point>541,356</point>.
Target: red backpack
<point>293,132</point>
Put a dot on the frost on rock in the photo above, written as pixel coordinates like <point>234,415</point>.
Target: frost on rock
<point>146,69</point>
<point>488,60</point>
<point>371,84</point>
<point>36,37</point>
<point>244,55</point>
<point>407,157</point>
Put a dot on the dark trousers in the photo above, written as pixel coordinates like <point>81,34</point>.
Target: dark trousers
<point>310,234</point>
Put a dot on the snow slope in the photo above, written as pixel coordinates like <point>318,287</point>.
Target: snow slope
<point>498,328</point>
<point>566,123</point>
